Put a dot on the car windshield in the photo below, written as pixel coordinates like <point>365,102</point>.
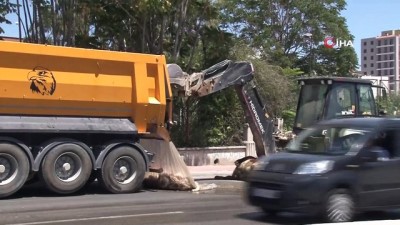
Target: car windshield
<point>328,140</point>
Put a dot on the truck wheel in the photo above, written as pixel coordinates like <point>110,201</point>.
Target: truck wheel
<point>14,169</point>
<point>66,168</point>
<point>339,206</point>
<point>123,170</point>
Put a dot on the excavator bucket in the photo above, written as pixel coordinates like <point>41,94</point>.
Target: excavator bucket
<point>216,78</point>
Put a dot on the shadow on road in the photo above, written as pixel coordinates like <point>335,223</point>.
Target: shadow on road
<point>38,190</point>
<point>291,218</point>
<point>282,218</point>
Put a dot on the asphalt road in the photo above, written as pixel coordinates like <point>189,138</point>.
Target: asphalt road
<point>33,205</point>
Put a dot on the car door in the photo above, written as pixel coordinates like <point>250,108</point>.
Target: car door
<point>380,179</point>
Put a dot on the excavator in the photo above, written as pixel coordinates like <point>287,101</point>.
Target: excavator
<point>320,98</point>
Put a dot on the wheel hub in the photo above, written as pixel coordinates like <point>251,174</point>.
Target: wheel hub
<point>8,168</point>
<point>123,170</point>
<point>66,166</point>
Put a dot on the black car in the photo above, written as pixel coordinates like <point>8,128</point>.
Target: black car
<point>336,168</point>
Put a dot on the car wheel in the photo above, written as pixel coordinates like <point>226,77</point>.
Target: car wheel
<point>339,206</point>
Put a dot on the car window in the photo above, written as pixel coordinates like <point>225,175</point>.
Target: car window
<point>328,140</point>
<point>386,140</point>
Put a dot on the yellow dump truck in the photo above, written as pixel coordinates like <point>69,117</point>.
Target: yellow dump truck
<point>67,112</point>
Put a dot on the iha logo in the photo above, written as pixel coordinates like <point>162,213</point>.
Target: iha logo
<point>331,42</point>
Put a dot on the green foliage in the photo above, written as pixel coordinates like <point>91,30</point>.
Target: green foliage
<point>6,7</point>
<point>391,104</point>
<point>288,119</point>
<point>277,29</point>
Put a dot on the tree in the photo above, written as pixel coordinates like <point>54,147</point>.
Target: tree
<point>6,7</point>
<point>277,28</point>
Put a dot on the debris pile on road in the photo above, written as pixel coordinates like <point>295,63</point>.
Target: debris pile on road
<point>161,180</point>
<point>168,170</point>
<point>243,167</point>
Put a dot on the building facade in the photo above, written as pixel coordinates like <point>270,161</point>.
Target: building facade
<point>380,56</point>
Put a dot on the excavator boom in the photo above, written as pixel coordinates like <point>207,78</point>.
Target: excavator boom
<point>224,75</point>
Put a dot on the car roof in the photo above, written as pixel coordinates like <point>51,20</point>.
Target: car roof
<point>367,122</point>
<point>335,79</point>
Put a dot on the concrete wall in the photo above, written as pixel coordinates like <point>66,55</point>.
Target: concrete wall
<point>226,155</point>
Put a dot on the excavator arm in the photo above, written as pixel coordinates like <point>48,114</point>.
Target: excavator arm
<point>224,75</point>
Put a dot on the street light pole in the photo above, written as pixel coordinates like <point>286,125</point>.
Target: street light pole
<point>310,43</point>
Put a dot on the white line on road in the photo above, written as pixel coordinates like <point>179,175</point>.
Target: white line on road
<point>98,218</point>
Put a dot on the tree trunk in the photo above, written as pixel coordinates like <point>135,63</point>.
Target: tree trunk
<point>53,22</point>
<point>196,41</point>
<point>27,13</point>
<point>143,45</point>
<point>35,22</point>
<point>179,30</point>
<point>161,37</point>
<point>64,22</point>
<point>41,26</point>
<point>187,122</point>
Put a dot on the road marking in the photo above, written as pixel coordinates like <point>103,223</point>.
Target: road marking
<point>98,218</point>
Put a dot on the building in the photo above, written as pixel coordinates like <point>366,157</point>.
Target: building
<point>380,56</point>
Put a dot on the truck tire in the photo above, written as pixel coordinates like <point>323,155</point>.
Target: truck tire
<point>66,168</point>
<point>14,169</point>
<point>123,170</point>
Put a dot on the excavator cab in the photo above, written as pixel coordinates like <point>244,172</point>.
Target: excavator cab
<point>323,98</point>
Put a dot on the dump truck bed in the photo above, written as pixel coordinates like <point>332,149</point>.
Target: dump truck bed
<point>62,81</point>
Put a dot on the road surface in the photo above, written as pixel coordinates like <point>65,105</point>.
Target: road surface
<point>34,206</point>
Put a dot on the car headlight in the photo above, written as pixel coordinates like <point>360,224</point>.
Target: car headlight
<point>315,167</point>
<point>261,163</point>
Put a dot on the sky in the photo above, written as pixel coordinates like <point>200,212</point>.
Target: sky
<point>365,19</point>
